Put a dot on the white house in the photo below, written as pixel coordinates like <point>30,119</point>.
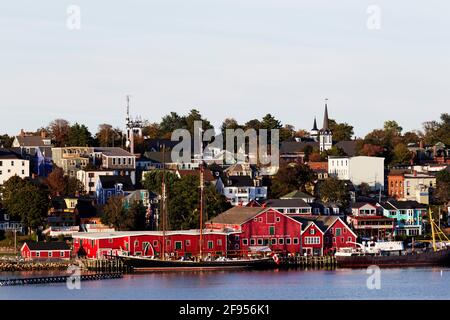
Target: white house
<point>358,170</point>
<point>89,178</point>
<point>240,190</point>
<point>12,164</point>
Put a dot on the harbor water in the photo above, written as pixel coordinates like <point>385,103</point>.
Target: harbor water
<point>393,284</point>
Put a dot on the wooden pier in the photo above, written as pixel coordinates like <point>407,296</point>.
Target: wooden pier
<point>59,279</point>
<point>309,262</point>
<point>105,265</point>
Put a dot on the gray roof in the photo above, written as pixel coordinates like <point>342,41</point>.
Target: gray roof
<point>407,204</point>
<point>49,245</point>
<point>237,215</point>
<point>32,141</point>
<point>323,222</point>
<point>349,147</point>
<point>239,181</point>
<point>295,147</point>
<point>286,203</point>
<point>113,151</point>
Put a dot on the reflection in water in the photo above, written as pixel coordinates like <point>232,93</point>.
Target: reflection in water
<point>411,283</point>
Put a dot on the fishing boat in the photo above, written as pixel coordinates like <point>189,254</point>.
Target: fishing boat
<point>167,263</point>
<point>393,254</point>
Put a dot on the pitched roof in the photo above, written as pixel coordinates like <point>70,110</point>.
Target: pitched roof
<point>113,151</point>
<point>349,147</point>
<point>295,147</point>
<point>50,245</point>
<point>286,203</point>
<point>32,141</point>
<point>9,154</point>
<point>326,124</point>
<point>323,222</point>
<point>207,174</point>
<point>357,205</point>
<point>297,194</point>
<point>159,156</point>
<point>237,215</point>
<point>108,182</point>
<point>407,204</point>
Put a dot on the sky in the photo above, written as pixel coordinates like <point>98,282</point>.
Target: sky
<point>374,60</point>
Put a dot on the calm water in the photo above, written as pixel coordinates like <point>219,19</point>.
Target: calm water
<point>413,283</point>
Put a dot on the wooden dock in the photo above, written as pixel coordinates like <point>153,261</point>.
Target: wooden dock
<point>105,265</point>
<point>59,279</point>
<point>309,262</point>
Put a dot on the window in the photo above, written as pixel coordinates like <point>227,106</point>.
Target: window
<point>211,244</point>
<point>110,240</point>
<point>338,231</point>
<point>23,165</point>
<point>288,241</point>
<point>349,239</point>
<point>245,242</point>
<point>187,243</point>
<point>271,230</point>
<point>61,253</point>
<point>273,241</point>
<point>344,230</point>
<point>312,231</point>
<point>12,163</point>
<point>278,219</point>
<point>136,243</point>
<point>50,254</point>
<point>281,241</point>
<point>113,161</point>
<point>38,254</point>
<point>295,240</point>
<point>260,242</point>
<point>252,242</point>
<point>1,163</point>
<point>178,245</point>
<point>219,242</point>
<point>334,239</point>
<point>155,243</point>
<point>342,240</point>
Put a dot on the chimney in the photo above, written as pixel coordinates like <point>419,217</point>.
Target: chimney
<point>415,173</point>
<point>43,134</point>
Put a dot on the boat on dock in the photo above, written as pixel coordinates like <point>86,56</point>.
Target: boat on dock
<point>393,254</point>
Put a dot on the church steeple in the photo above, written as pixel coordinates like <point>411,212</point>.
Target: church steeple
<point>315,125</point>
<point>325,118</point>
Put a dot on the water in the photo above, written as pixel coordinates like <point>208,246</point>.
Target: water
<point>411,283</point>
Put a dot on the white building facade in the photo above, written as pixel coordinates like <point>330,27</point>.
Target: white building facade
<point>12,165</point>
<point>89,179</point>
<point>360,169</point>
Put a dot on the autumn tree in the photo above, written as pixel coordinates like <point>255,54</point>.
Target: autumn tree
<point>442,192</point>
<point>107,136</point>
<point>60,184</point>
<point>333,190</point>
<point>289,178</point>
<point>114,213</point>
<point>59,131</point>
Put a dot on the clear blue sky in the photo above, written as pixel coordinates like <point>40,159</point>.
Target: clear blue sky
<point>227,58</point>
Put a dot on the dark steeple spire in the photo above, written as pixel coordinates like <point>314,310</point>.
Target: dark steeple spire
<point>315,125</point>
<point>325,118</point>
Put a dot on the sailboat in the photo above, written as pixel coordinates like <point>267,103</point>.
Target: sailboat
<point>164,263</point>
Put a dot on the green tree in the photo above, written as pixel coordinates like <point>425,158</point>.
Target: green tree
<point>333,190</point>
<point>194,115</point>
<point>153,180</point>
<point>291,177</point>
<point>270,122</point>
<point>79,135</point>
<point>364,189</point>
<point>6,141</point>
<point>171,122</point>
<point>393,126</point>
<point>135,217</point>
<point>26,202</point>
<point>401,154</point>
<point>114,213</point>
<point>442,192</point>
<point>341,131</point>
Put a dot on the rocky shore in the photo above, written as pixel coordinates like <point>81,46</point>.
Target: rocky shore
<point>32,266</point>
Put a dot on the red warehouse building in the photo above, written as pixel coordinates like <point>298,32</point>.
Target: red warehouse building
<point>257,228</point>
<point>336,234</point>
<point>149,243</point>
<point>45,251</point>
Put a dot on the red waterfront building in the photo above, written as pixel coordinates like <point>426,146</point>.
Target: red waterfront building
<point>149,243</point>
<point>45,251</point>
<point>258,228</point>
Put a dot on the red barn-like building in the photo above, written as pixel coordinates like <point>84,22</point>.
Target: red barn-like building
<point>258,228</point>
<point>149,243</point>
<point>45,251</point>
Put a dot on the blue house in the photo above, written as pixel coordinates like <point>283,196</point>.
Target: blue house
<point>407,214</point>
<point>109,186</point>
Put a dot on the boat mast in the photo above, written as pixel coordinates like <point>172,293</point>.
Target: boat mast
<point>201,211</point>
<point>163,204</point>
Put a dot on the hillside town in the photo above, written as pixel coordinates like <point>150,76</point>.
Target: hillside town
<point>66,193</point>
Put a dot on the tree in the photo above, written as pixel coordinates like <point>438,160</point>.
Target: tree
<point>79,135</point>
<point>114,213</point>
<point>152,130</point>
<point>287,132</point>
<point>229,123</point>
<point>59,132</point>
<point>437,131</point>
<point>393,126</point>
<point>442,192</point>
<point>364,189</point>
<point>63,185</point>
<point>135,217</point>
<point>26,202</point>
<point>401,154</point>
<point>253,124</point>
<point>269,122</point>
<point>194,115</point>
<point>371,150</point>
<point>107,136</point>
<point>152,180</point>
<point>341,131</point>
<point>170,123</point>
<point>333,190</point>
<point>291,177</point>
<point>6,141</point>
